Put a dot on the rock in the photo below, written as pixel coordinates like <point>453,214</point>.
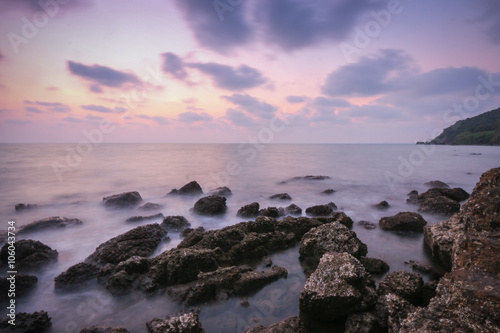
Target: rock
<point>30,255</point>
<point>339,217</point>
<point>382,205</point>
<point>185,323</point>
<point>272,212</point>
<point>222,191</point>
<point>362,322</point>
<point>436,184</point>
<point>176,223</point>
<point>191,188</point>
<point>145,218</point>
<point>268,262</point>
<point>293,209</point>
<point>405,221</point>
<point>397,310</point>
<point>440,200</point>
<point>122,200</point>
<point>309,177</point>
<point>281,196</point>
<point>140,241</point>
<point>24,283</point>
<point>150,206</point>
<point>331,237</point>
<point>419,267</point>
<point>428,292</point>
<point>121,279</point>
<point>76,276</point>
<point>367,224</point>
<point>404,284</point>
<point>24,206</point>
<point>374,265</point>
<point>211,205</point>
<point>248,211</point>
<point>48,223</point>
<point>289,325</point>
<point>186,231</point>
<point>36,322</point>
<point>328,191</point>
<point>319,210</point>
<point>339,286</point>
<point>412,197</point>
<point>244,302</point>
<point>104,329</point>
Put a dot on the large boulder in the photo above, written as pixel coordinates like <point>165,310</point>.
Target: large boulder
<point>339,286</point>
<point>185,323</point>
<point>30,255</point>
<point>441,200</point>
<point>48,223</point>
<point>191,188</point>
<point>175,223</point>
<point>37,322</point>
<point>404,221</point>
<point>249,211</point>
<point>330,237</point>
<point>123,200</point>
<point>404,284</point>
<point>211,205</point>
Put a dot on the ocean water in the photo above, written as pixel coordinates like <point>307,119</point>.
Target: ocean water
<point>67,180</point>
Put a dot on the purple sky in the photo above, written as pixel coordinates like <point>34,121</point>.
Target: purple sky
<point>325,71</point>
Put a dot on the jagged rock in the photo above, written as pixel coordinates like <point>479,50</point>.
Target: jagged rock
<point>176,223</point>
<point>319,210</point>
<point>36,322</point>
<point>362,322</point>
<point>76,276</point>
<point>222,191</point>
<point>185,323</point>
<point>30,255</point>
<point>140,241</point>
<point>328,191</point>
<point>123,200</point>
<point>339,217</point>
<point>382,205</point>
<point>339,286</point>
<point>374,265</point>
<point>289,325</point>
<point>272,212</point>
<point>187,231</point>
<point>405,221</point>
<point>367,225</point>
<point>24,283</point>
<point>145,218</point>
<point>248,211</point>
<point>104,329</point>
<point>404,284</point>
<point>330,237</point>
<point>48,223</point>
<point>440,200</point>
<point>24,206</point>
<point>150,206</point>
<point>120,279</point>
<point>397,310</point>
<point>436,184</point>
<point>211,205</point>
<point>191,188</point>
<point>281,196</point>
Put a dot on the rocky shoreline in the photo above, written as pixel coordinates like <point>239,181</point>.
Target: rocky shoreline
<point>339,294</point>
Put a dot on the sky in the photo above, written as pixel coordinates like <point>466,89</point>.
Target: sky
<point>268,71</point>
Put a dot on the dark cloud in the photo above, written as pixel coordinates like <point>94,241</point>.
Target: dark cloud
<point>102,76</point>
<point>239,118</point>
<point>173,64</point>
<point>60,109</point>
<point>93,118</point>
<point>227,77</point>
<point>375,111</point>
<point>296,99</point>
<point>50,106</point>
<point>157,119</point>
<point>33,109</point>
<point>252,105</point>
<point>74,120</point>
<point>43,103</point>
<point>371,75</point>
<point>193,117</point>
<point>103,109</point>
<point>331,102</point>
<point>490,17</point>
<point>213,29</point>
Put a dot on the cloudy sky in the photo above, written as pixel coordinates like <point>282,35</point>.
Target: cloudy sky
<point>322,71</point>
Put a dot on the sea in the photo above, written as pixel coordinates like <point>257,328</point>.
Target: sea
<point>70,180</point>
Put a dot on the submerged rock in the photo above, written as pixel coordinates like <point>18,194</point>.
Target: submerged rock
<point>436,184</point>
<point>27,322</point>
<point>145,218</point>
<point>222,191</point>
<point>293,209</point>
<point>405,221</point>
<point>150,206</point>
<point>25,206</point>
<point>328,238</point>
<point>30,255</point>
<point>48,223</point>
<point>382,205</point>
<point>176,223</point>
<point>211,205</point>
<point>123,200</point>
<point>185,323</point>
<point>328,191</point>
<point>367,225</point>
<point>250,210</point>
<point>339,286</point>
<point>191,188</point>
<point>320,210</point>
<point>281,196</point>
